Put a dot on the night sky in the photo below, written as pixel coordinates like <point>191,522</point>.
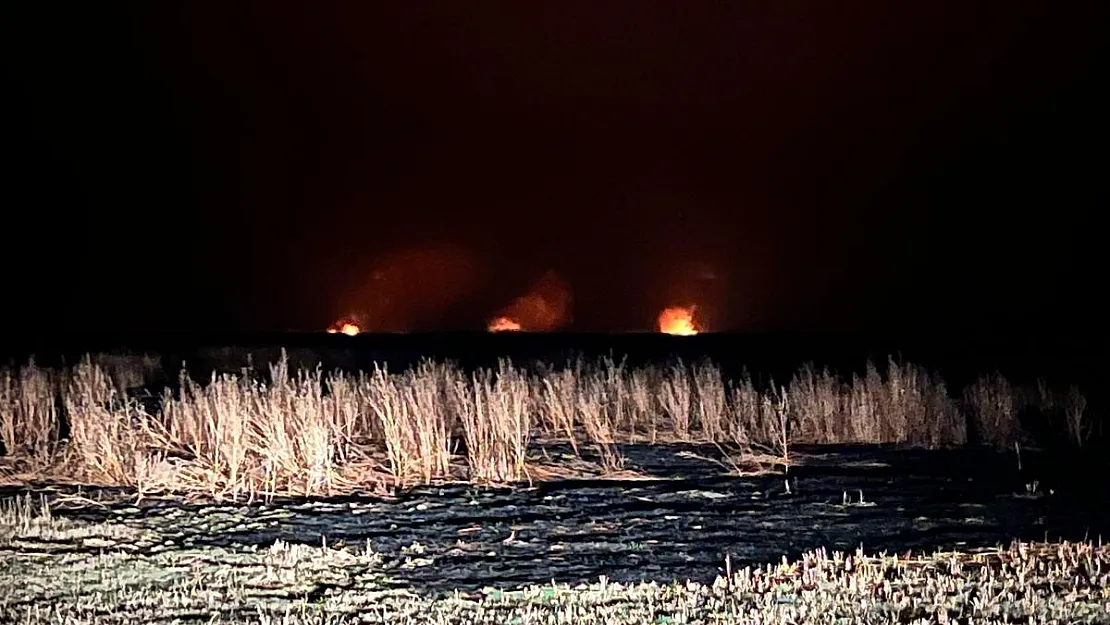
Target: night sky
<point>268,166</point>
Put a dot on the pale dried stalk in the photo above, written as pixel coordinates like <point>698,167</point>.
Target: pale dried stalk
<point>676,397</point>
<point>711,407</point>
<point>595,411</point>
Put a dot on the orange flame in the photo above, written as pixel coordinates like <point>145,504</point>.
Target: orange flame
<point>678,320</point>
<point>504,324</point>
<point>344,327</point>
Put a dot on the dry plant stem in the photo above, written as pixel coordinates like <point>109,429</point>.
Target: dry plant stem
<point>1075,404</point>
<point>493,409</point>
<point>424,392</point>
<point>610,384</point>
<point>595,412</point>
<point>994,407</point>
<point>389,409</point>
<point>778,424</point>
<point>105,442</point>
<point>676,398</point>
<point>347,404</point>
<point>28,415</point>
<point>641,420</point>
<point>712,401</point>
<point>817,403</point>
<point>557,405</point>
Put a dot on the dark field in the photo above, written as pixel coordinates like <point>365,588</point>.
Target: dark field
<point>605,551</point>
<point>688,529</point>
<point>678,527</point>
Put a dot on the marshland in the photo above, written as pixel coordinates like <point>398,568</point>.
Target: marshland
<point>586,490</point>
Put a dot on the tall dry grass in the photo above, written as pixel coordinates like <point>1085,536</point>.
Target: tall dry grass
<point>599,407</point>
<point>111,439</point>
<point>300,431</point>
<point>995,407</point>
<point>410,415</point>
<point>29,415</point>
<point>904,404</point>
<point>242,436</point>
<point>494,410</point>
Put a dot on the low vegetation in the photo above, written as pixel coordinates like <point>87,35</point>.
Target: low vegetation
<point>305,432</point>
<point>296,431</point>
<point>69,571</point>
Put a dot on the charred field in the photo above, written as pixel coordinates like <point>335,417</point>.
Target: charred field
<point>643,490</point>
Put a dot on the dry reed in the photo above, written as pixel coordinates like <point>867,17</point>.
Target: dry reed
<point>302,432</point>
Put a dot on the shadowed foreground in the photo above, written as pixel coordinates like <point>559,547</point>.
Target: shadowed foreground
<point>458,554</point>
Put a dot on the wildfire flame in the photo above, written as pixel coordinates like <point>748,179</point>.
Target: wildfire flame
<point>344,327</point>
<point>678,320</point>
<point>504,324</point>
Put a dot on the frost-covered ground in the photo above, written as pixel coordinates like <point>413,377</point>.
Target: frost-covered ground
<point>694,548</point>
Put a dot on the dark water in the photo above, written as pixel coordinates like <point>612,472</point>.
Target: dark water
<point>680,526</point>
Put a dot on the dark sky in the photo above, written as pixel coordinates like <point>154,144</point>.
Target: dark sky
<point>265,165</point>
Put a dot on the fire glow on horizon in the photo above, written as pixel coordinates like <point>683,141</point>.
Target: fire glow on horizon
<point>674,320</point>
<point>545,307</point>
<point>679,321</point>
<point>504,324</point>
<point>344,327</point>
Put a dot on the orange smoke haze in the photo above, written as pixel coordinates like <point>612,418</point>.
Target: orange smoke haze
<point>414,289</point>
<point>679,320</point>
<point>546,307</point>
<point>421,288</point>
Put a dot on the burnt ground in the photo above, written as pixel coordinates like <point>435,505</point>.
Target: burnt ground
<point>680,524</point>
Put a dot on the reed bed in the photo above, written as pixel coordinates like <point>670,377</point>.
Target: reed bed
<point>307,432</point>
